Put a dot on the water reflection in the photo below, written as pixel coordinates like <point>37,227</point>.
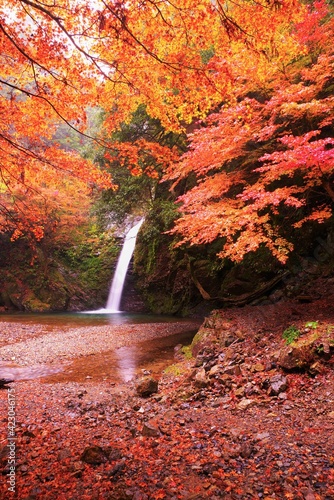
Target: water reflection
<point>86,318</point>
<point>124,363</point>
<point>127,362</point>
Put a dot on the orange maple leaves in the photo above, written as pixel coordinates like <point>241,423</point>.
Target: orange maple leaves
<point>41,84</point>
<point>257,155</point>
<point>266,76</point>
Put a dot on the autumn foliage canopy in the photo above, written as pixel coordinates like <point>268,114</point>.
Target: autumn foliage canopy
<point>251,83</point>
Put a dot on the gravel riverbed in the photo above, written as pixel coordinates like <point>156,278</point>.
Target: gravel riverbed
<point>34,344</point>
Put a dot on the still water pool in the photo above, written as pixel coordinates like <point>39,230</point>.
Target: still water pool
<point>88,318</point>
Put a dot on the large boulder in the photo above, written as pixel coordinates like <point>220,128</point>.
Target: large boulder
<point>303,353</point>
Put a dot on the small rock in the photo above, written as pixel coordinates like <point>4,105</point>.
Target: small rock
<point>77,466</point>
<point>232,370</point>
<point>308,494</point>
<point>240,392</point>
<point>245,403</point>
<point>146,386</point>
<point>201,378</point>
<point>251,389</point>
<point>262,436</point>
<point>316,368</point>
<point>150,430</point>
<point>258,367</point>
<point>277,384</point>
<point>116,470</point>
<point>245,450</point>
<point>93,455</point>
<point>215,370</point>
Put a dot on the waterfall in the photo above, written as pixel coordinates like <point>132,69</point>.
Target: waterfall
<point>122,266</point>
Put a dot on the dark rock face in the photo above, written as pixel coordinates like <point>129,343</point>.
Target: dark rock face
<point>132,300</point>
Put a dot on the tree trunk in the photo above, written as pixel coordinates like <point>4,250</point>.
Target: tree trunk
<point>199,287</point>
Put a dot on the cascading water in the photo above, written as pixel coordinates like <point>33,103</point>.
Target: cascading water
<point>123,262</point>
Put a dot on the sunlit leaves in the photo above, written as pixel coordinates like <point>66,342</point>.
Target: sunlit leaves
<point>259,158</point>
<point>263,71</point>
<point>42,83</point>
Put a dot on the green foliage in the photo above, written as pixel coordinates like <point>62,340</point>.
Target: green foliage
<point>72,276</point>
<point>311,324</point>
<point>291,334</point>
<point>92,259</point>
<point>175,370</point>
<point>69,139</point>
<point>208,54</point>
<point>135,193</point>
<point>132,196</point>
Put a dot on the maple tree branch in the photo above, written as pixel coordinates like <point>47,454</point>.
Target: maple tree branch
<point>329,189</point>
<point>14,196</point>
<point>58,20</point>
<point>160,13</point>
<point>40,6</point>
<point>27,56</point>
<point>174,66</point>
<point>32,94</point>
<point>8,213</point>
<point>142,45</point>
<point>32,154</point>
<point>204,293</point>
<point>259,292</point>
<point>35,156</point>
<point>95,60</point>
<point>228,22</point>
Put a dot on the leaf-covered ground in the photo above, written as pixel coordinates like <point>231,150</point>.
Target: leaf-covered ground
<point>215,428</point>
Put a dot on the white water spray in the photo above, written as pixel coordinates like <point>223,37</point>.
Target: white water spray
<point>123,262</point>
<point>117,285</point>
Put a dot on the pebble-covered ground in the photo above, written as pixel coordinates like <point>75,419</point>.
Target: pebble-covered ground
<point>213,430</point>
<point>36,344</point>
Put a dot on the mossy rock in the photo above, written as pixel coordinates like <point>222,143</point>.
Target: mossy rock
<point>300,354</point>
<point>31,303</point>
<point>205,338</point>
